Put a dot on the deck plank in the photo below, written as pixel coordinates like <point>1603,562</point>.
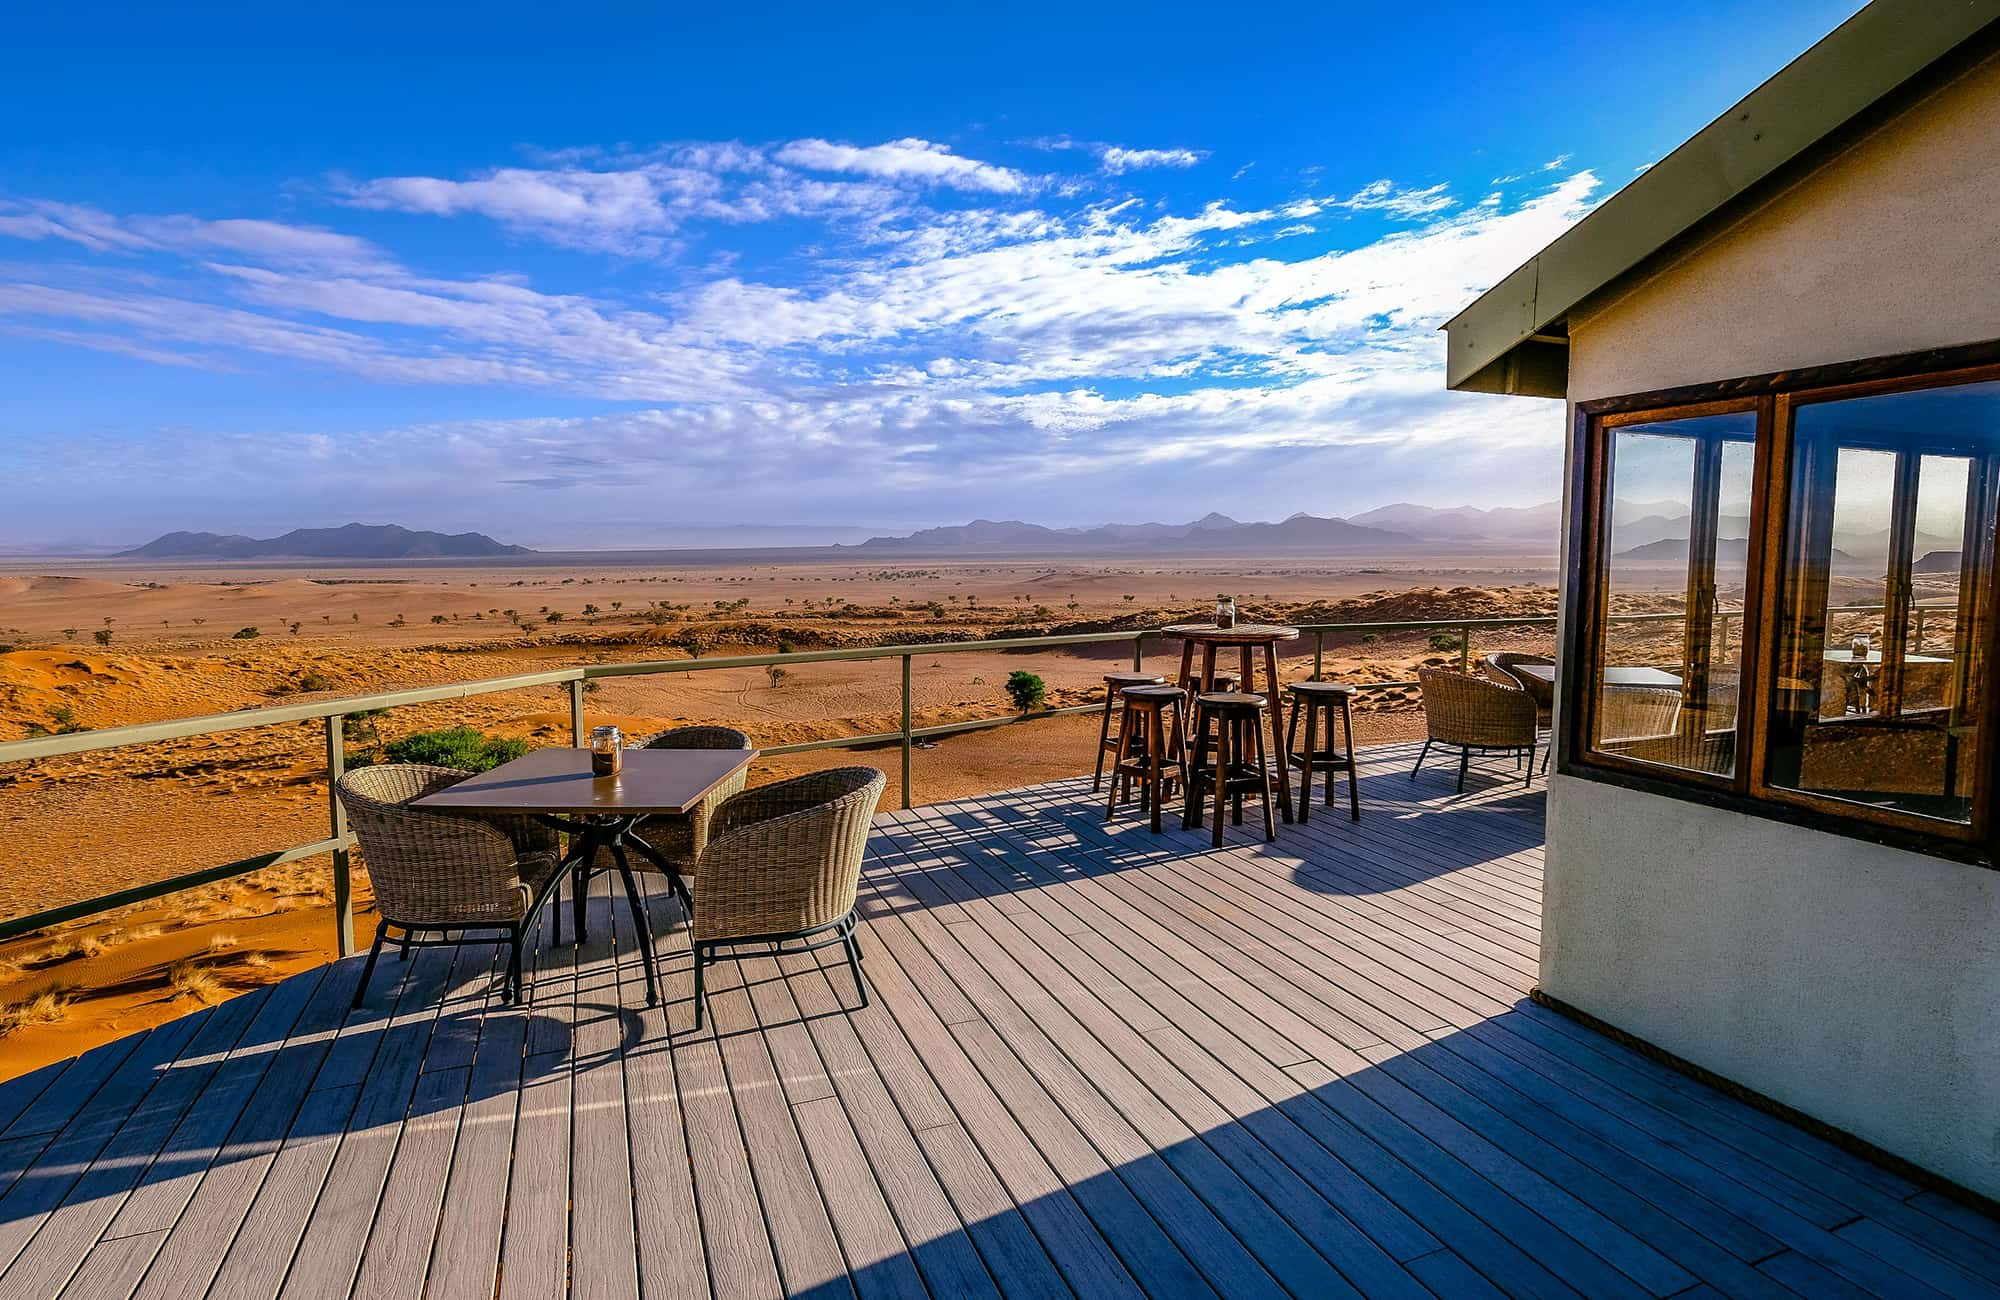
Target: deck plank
<point>1095,1062</point>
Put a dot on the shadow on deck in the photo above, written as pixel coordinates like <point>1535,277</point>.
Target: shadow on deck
<point>1098,1062</point>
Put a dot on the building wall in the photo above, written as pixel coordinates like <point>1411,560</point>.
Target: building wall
<point>1857,983</point>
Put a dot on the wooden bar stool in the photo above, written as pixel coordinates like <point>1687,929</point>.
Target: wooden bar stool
<point>1331,699</point>
<point>1239,765</point>
<point>1106,742</point>
<point>1149,748</point>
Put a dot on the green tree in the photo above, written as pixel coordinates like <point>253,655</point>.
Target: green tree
<point>245,634</point>
<point>1026,690</point>
<point>102,636</point>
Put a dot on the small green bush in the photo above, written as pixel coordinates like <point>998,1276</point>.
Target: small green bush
<point>459,747</point>
<point>311,681</point>
<point>245,634</point>
<point>1026,690</point>
<point>1443,641</point>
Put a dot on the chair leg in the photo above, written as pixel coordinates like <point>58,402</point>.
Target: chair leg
<point>555,906</point>
<point>1306,755</point>
<point>1421,756</point>
<point>1464,761</point>
<point>512,993</point>
<point>854,964</point>
<point>1155,783</point>
<point>1264,774</point>
<point>1529,777</point>
<point>1224,744</point>
<point>640,925</point>
<point>368,967</point>
<point>1191,812</point>
<point>1103,739</point>
<point>1353,773</point>
<point>700,994</point>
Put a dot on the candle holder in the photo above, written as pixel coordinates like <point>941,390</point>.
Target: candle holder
<point>607,752</point>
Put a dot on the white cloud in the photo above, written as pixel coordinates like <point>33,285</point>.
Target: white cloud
<point>917,356</point>
<point>1116,160</point>
<point>269,241</point>
<point>911,159</point>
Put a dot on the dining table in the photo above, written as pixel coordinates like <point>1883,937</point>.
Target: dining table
<point>557,787</point>
<point>1247,639</point>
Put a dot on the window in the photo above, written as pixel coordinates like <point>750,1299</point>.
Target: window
<point>1880,598</point>
<point>1676,546</point>
<point>1783,599</point>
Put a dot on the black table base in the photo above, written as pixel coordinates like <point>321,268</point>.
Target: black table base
<point>615,835</point>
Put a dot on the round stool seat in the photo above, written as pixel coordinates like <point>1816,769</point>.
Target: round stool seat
<point>1224,701</point>
<point>1157,690</point>
<point>1226,681</point>
<point>1133,679</point>
<point>1324,690</point>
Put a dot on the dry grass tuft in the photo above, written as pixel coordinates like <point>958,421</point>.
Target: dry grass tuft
<point>221,942</point>
<point>191,979</point>
<point>69,947</point>
<point>46,1006</point>
<point>255,959</point>
<point>150,930</point>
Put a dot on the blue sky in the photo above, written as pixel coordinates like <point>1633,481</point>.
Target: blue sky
<point>599,275</point>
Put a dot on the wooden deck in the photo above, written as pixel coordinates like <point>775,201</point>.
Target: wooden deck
<point>1098,1063</point>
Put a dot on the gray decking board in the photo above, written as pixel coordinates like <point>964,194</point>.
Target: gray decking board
<point>1096,1062</point>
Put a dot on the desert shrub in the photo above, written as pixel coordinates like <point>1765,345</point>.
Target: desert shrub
<point>437,618</point>
<point>189,978</point>
<point>776,674</point>
<point>555,616</point>
<point>358,726</point>
<point>45,1007</point>
<point>1370,638</point>
<point>311,681</point>
<point>294,626</point>
<point>1444,641</point>
<point>102,636</point>
<point>65,719</point>
<point>1026,690</point>
<point>459,747</point>
<point>8,647</point>
<point>245,634</point>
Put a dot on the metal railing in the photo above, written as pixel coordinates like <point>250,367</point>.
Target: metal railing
<point>339,841</point>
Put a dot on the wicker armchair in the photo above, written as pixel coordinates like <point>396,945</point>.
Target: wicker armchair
<point>1629,714</point>
<point>1474,713</point>
<point>1500,667</point>
<point>782,865</point>
<point>447,873</point>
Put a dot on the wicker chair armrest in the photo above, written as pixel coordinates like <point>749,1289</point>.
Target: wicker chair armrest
<point>778,799</point>
<point>431,868</point>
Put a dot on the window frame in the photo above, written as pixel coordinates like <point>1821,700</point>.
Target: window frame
<point>1774,398</point>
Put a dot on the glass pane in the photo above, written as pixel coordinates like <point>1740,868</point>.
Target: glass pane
<point>1678,552</point>
<point>1881,598</point>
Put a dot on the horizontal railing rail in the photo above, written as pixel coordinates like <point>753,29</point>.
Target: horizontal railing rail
<point>332,713</point>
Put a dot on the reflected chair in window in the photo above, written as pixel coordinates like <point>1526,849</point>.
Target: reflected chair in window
<point>1639,720</point>
<point>457,876</point>
<point>1475,713</point>
<point>781,867</point>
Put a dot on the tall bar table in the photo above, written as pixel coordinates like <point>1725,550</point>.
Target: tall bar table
<point>1246,637</point>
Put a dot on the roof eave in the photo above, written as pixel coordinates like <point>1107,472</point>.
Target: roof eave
<point>1880,49</point>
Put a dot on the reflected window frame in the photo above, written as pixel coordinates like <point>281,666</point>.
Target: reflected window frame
<point>1774,399</point>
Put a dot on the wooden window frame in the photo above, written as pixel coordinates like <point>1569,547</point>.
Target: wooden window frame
<point>1773,398</point>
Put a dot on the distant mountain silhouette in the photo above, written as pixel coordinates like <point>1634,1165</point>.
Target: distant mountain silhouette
<point>1940,562</point>
<point>348,542</point>
<point>1728,551</point>
<point>1467,523</point>
<point>1211,533</point>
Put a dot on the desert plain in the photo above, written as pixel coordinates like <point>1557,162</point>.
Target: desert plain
<point>101,643</point>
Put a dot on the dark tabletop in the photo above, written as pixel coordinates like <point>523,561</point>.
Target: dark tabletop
<point>559,781</point>
<point>1242,633</point>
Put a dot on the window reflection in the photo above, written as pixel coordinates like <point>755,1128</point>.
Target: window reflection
<point>1678,545</point>
<point>1881,598</point>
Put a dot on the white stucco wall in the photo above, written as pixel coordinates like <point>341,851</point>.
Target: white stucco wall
<point>1857,983</point>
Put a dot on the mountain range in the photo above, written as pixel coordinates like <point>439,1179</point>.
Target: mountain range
<point>348,542</point>
<point>1400,527</point>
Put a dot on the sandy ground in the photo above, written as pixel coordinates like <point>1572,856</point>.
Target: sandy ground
<point>75,827</point>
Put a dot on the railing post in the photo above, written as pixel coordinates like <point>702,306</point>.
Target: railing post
<point>343,879</point>
<point>1319,652</point>
<point>906,731</point>
<point>1918,631</point>
<point>1139,653</point>
<point>576,712</point>
<point>1465,648</point>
